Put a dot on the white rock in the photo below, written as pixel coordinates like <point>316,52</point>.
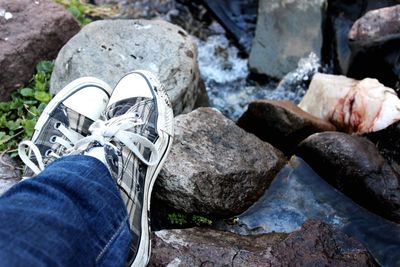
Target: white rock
<point>351,105</point>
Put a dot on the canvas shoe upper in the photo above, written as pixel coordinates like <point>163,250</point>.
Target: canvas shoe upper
<point>64,121</point>
<point>140,93</point>
<point>136,133</point>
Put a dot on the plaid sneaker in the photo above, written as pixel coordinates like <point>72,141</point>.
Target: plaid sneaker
<point>64,121</point>
<point>136,133</point>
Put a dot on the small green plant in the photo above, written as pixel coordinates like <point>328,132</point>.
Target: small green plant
<point>19,115</point>
<point>177,218</point>
<point>200,220</point>
<point>182,219</point>
<point>77,8</point>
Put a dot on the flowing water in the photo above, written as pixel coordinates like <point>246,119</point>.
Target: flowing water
<point>223,68</point>
<point>226,76</point>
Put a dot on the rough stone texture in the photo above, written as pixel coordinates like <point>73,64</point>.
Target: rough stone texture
<point>374,40</point>
<point>354,166</point>
<point>9,174</point>
<point>376,26</point>
<point>281,123</point>
<point>215,167</point>
<point>352,106</point>
<point>316,244</point>
<point>286,31</point>
<point>336,51</point>
<point>35,32</point>
<point>108,2</point>
<point>387,141</point>
<point>109,49</point>
<point>297,194</point>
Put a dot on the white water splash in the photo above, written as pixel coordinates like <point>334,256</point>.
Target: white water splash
<point>225,75</point>
<point>219,60</point>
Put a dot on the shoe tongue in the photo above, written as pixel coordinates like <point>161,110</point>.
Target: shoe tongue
<point>121,107</point>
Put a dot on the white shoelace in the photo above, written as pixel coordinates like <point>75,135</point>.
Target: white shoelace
<point>72,136</point>
<point>117,129</point>
<point>103,132</point>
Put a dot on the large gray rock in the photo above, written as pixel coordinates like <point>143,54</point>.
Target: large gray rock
<point>364,176</point>
<point>30,31</point>
<point>297,194</point>
<point>287,30</point>
<point>306,247</point>
<point>214,166</point>
<point>109,49</point>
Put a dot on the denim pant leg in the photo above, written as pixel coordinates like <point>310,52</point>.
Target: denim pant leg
<point>71,214</point>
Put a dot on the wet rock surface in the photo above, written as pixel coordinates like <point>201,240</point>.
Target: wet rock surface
<point>364,176</point>
<point>297,194</point>
<point>9,172</point>
<point>387,141</point>
<point>111,48</point>
<point>30,31</point>
<point>374,40</point>
<point>336,51</point>
<point>215,167</point>
<point>315,244</point>
<point>280,39</point>
<point>281,123</point>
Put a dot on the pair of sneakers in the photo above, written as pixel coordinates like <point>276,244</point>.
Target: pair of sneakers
<point>132,123</point>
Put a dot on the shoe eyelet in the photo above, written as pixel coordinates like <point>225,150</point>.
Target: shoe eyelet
<point>47,153</point>
<point>137,115</point>
<point>53,139</point>
<point>57,125</point>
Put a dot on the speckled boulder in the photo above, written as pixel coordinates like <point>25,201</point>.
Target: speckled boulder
<point>108,49</point>
<point>30,31</point>
<point>214,166</point>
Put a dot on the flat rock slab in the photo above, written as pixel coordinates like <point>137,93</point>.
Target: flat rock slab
<point>281,123</point>
<point>286,31</point>
<point>306,247</point>
<point>298,194</point>
<point>30,31</point>
<point>108,49</point>
<point>214,166</point>
<point>354,166</point>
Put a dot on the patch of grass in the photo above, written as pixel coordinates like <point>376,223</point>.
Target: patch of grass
<point>201,220</point>
<point>182,219</point>
<point>19,115</point>
<point>85,12</point>
<point>78,9</point>
<point>177,218</point>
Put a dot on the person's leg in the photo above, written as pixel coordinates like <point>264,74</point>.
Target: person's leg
<point>71,214</point>
<point>132,139</point>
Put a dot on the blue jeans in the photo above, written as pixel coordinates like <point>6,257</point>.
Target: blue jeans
<point>71,214</point>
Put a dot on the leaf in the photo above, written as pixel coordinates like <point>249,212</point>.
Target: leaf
<point>45,66</point>
<point>74,11</point>
<point>13,125</point>
<point>40,86</point>
<point>29,126</point>
<point>39,77</point>
<point>3,136</point>
<point>27,91</point>
<point>42,96</point>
